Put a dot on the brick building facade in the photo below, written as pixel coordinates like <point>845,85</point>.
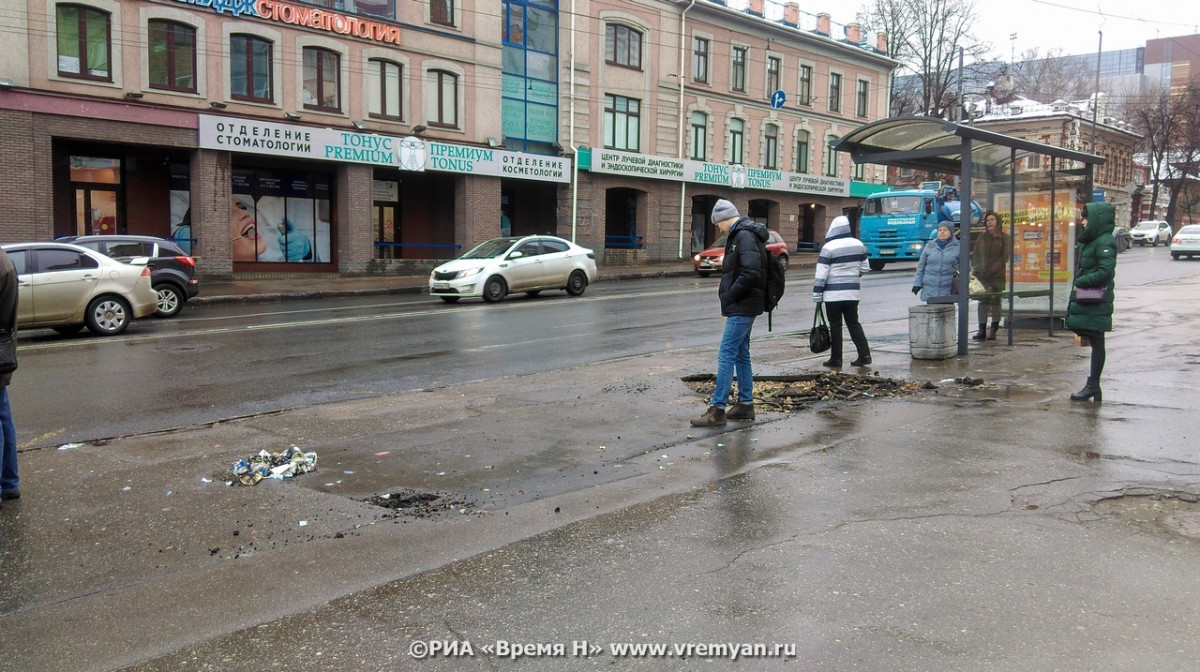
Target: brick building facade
<point>354,137</point>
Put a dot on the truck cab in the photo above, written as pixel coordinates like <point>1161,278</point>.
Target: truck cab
<point>895,225</point>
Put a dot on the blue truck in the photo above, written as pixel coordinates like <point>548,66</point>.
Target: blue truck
<point>895,225</point>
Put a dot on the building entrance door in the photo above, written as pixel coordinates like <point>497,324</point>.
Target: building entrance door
<point>96,211</point>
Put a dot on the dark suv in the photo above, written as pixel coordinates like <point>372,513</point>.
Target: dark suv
<point>172,271</point>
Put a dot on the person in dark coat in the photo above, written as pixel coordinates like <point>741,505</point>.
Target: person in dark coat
<point>937,270</point>
<point>989,259</point>
<point>9,482</point>
<point>743,295</point>
<point>1095,266</point>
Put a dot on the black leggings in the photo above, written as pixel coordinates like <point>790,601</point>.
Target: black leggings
<point>1096,338</point>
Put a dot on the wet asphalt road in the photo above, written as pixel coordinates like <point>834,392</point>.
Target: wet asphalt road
<point>993,528</point>
<point>217,362</point>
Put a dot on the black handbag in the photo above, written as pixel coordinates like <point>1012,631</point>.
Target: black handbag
<point>818,337</point>
<point>8,352</point>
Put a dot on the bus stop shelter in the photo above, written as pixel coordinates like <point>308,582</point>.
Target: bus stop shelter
<point>946,147</point>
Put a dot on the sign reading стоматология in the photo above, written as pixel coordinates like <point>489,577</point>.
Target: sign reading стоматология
<point>251,136</point>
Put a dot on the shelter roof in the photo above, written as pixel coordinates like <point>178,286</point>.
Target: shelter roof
<point>929,143</point>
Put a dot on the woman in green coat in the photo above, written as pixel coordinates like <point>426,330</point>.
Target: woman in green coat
<point>1095,266</point>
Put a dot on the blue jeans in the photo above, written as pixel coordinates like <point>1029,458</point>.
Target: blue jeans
<point>8,452</point>
<point>734,356</point>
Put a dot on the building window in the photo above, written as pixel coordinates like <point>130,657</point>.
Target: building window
<point>861,98</point>
<point>700,59</point>
<point>385,90</point>
<point>804,92</point>
<point>322,78</point>
<point>737,137</point>
<point>699,136</point>
<point>831,159</point>
<point>771,147</point>
<point>446,99</point>
<point>172,56</point>
<point>835,92</point>
<point>623,46</point>
<point>737,70</point>
<point>84,48</point>
<point>622,123</point>
<point>772,75</point>
<point>860,171</point>
<point>250,69</point>
<point>441,12</point>
<point>802,152</point>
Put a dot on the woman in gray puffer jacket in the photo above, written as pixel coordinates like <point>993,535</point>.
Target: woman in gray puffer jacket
<point>938,266</point>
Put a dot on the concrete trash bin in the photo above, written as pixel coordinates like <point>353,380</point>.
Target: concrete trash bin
<point>932,333</point>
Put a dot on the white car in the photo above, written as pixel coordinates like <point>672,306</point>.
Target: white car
<point>1186,242</point>
<point>527,264</point>
<point>1151,232</point>
<point>67,287</point>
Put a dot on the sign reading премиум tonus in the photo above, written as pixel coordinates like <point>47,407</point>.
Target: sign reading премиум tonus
<point>268,138</point>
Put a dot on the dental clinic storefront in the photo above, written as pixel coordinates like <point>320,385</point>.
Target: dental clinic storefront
<point>300,198</point>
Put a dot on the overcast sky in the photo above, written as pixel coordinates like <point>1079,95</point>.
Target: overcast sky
<point>1069,24</point>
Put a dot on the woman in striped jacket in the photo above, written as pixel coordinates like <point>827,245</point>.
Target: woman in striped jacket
<point>842,261</point>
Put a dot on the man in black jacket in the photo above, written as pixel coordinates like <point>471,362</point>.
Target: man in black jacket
<point>743,296</point>
<point>9,484</point>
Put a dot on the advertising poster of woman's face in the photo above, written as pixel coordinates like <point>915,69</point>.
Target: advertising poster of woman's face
<point>247,243</point>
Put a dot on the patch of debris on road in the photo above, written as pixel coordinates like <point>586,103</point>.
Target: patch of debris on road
<point>799,391</point>
<point>416,504</point>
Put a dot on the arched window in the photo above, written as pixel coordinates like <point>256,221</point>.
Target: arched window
<point>623,46</point>
<point>250,69</point>
<point>831,158</point>
<point>699,136</point>
<point>172,55</point>
<point>737,136</point>
<point>385,89</point>
<point>322,80</point>
<point>802,142</point>
<point>84,43</point>
<point>445,112</point>
<point>771,147</point>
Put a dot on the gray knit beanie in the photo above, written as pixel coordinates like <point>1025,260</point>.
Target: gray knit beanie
<point>723,210</point>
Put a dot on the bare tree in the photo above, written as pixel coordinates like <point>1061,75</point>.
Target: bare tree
<point>1184,154</point>
<point>1053,75</point>
<point>1157,118</point>
<point>926,36</point>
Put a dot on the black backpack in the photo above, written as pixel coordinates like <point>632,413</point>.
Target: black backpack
<point>776,279</point>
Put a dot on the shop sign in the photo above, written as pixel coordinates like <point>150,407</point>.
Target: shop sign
<point>309,17</point>
<point>268,138</point>
<point>735,176</point>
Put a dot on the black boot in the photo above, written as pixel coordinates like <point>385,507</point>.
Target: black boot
<point>1090,390</point>
<point>992,332</point>
<point>982,333</point>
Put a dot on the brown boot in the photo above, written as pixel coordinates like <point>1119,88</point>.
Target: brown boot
<point>992,332</point>
<point>713,417</point>
<point>981,334</point>
<point>740,411</point>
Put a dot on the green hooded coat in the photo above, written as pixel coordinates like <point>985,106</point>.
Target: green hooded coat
<point>1096,266</point>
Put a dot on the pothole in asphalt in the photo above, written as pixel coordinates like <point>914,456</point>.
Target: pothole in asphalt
<point>416,504</point>
<point>793,392</point>
<point>1175,512</point>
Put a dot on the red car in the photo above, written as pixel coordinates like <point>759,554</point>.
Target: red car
<point>709,261</point>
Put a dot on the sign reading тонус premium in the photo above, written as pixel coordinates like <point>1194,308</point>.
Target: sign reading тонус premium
<point>326,144</point>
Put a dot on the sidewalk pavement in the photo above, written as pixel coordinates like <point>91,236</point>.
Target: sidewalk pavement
<point>990,527</point>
